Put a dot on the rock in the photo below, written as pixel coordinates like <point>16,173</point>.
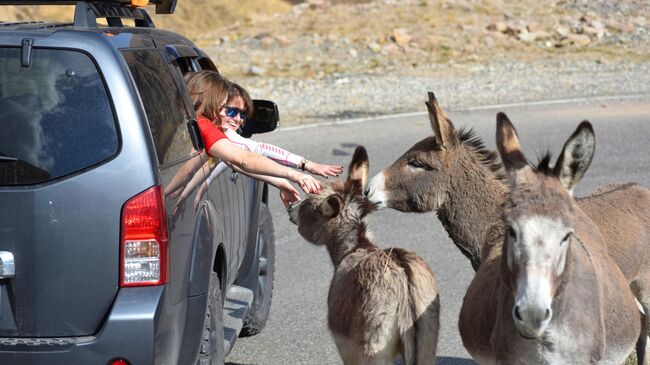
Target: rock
<point>580,40</point>
<point>318,4</point>
<point>597,24</point>
<point>501,27</point>
<point>267,42</point>
<point>562,31</point>
<point>534,27</point>
<point>401,36</point>
<point>283,41</point>
<point>374,46</point>
<point>622,27</point>
<point>593,32</point>
<point>527,37</point>
<point>497,27</point>
<point>342,81</point>
<point>488,41</point>
<point>254,70</point>
<point>391,50</point>
<point>262,35</point>
<point>514,29</point>
<point>534,36</point>
<point>353,52</point>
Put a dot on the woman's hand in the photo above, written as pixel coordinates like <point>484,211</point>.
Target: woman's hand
<point>306,182</point>
<point>288,194</point>
<point>323,170</point>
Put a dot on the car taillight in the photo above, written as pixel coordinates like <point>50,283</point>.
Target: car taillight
<point>143,245</point>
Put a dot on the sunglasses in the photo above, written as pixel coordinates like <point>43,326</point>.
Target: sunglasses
<point>232,112</point>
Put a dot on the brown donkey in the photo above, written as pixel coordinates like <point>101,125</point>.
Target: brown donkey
<point>453,174</point>
<point>550,294</point>
<point>382,304</point>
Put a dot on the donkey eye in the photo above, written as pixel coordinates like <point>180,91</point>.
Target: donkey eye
<point>416,164</point>
<point>565,239</point>
<point>420,165</point>
<point>511,233</point>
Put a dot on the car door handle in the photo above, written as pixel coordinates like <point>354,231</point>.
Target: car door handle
<point>7,268</point>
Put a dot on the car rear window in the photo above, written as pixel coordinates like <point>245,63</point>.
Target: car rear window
<point>55,116</point>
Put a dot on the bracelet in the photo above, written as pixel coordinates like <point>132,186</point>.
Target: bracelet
<point>303,163</point>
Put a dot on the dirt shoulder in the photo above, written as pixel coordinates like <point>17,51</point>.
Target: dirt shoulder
<point>325,61</point>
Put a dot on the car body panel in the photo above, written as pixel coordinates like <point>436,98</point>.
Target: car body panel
<point>67,303</point>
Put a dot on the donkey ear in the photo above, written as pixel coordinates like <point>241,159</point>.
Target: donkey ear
<point>441,125</point>
<point>576,156</point>
<point>358,170</point>
<point>508,145</point>
<point>331,207</point>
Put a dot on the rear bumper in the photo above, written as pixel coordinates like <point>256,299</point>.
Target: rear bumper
<point>132,331</point>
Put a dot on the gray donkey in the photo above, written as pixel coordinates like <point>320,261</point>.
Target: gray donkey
<point>453,174</point>
<point>382,304</point>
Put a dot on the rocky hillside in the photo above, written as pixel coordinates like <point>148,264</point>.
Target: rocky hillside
<point>320,38</point>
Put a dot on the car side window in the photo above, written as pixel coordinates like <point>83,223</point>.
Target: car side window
<point>163,104</point>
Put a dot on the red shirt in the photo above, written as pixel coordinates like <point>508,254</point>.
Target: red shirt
<point>209,132</point>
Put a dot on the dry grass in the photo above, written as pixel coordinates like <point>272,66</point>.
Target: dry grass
<point>192,18</point>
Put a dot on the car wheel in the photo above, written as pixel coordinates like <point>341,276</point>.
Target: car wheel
<point>211,346</point>
<point>265,253</point>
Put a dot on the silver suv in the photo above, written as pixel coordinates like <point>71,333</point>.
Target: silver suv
<point>97,264</point>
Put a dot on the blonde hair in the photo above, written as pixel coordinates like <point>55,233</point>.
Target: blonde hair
<point>209,92</point>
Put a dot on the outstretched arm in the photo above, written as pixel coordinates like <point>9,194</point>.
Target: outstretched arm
<point>321,169</point>
<point>254,163</point>
<point>283,156</point>
<point>288,194</point>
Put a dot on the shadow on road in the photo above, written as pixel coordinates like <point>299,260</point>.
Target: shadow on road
<point>444,360</point>
<point>441,360</point>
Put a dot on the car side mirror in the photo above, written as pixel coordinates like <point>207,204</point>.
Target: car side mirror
<point>265,118</point>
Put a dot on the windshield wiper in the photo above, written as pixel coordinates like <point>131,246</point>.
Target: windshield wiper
<point>7,158</point>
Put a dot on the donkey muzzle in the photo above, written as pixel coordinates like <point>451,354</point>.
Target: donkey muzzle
<point>292,209</point>
<point>531,321</point>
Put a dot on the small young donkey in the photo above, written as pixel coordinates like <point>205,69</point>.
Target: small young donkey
<point>382,304</point>
<point>554,295</point>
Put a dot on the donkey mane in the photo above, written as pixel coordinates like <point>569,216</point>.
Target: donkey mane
<point>544,164</point>
<point>364,207</point>
<point>346,189</point>
<point>488,158</point>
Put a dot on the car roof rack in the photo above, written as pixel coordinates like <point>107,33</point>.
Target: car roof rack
<point>87,12</point>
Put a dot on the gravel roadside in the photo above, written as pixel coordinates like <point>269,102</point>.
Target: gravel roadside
<point>457,86</point>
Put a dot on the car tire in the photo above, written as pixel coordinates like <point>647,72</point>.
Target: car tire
<point>212,337</point>
<point>265,253</point>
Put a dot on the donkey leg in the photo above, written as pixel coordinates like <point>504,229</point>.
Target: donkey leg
<point>349,352</point>
<point>641,289</point>
<point>383,358</point>
<point>427,327</point>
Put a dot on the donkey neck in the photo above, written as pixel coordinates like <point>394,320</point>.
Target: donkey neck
<point>347,240</point>
<point>473,207</point>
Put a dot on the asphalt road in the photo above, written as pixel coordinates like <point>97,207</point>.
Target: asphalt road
<point>296,332</point>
